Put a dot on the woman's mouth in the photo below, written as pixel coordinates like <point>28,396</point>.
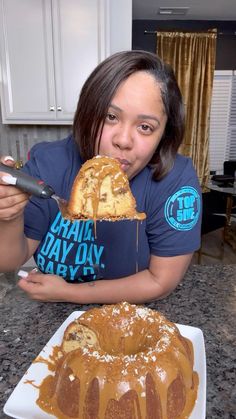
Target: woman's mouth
<point>125,164</point>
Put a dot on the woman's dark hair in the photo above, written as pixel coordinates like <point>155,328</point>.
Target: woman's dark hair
<point>99,89</point>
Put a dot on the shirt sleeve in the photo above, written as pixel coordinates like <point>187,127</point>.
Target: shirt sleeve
<point>174,212</point>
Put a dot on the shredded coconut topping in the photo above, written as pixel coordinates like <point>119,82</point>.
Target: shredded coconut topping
<point>124,372</point>
<point>115,311</point>
<point>167,328</point>
<point>142,312</point>
<point>161,373</point>
<point>141,380</point>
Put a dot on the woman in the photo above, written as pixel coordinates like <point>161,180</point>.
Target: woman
<point>130,108</point>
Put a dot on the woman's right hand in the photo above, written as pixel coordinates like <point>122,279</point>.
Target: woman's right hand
<point>12,199</point>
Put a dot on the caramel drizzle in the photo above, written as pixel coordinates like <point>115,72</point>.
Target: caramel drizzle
<point>49,398</point>
<point>102,167</point>
<point>32,383</point>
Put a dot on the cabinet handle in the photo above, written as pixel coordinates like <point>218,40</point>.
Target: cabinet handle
<point>52,109</point>
<point>59,108</point>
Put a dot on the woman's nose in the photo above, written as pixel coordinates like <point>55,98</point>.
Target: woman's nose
<point>123,138</point>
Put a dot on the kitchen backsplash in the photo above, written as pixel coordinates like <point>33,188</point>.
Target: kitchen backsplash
<point>16,140</point>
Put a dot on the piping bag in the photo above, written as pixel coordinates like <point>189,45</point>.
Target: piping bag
<point>33,186</point>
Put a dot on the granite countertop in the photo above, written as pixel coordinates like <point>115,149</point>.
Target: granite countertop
<point>205,299</point>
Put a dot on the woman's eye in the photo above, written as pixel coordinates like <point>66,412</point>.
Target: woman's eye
<point>110,117</point>
<point>146,128</point>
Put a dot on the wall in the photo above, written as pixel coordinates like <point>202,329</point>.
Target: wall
<point>226,44</point>
<point>117,20</point>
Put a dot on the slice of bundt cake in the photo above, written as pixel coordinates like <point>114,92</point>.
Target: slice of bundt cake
<point>101,191</point>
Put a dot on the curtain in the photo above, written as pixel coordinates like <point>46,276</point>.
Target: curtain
<point>192,57</point>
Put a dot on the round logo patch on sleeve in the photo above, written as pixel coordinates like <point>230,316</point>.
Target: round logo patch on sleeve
<point>182,209</point>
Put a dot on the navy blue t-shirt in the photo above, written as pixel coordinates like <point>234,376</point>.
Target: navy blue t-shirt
<point>122,248</point>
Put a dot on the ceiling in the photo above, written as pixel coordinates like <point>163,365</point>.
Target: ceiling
<point>198,9</point>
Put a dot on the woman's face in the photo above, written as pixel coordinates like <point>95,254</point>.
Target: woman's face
<point>134,124</point>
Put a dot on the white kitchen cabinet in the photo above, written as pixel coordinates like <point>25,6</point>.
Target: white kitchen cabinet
<point>47,50</point>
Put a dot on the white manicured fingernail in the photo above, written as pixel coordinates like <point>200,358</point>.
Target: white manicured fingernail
<point>8,158</point>
<point>23,274</point>
<point>10,180</point>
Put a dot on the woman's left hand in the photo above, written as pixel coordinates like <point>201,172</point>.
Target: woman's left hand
<point>44,287</point>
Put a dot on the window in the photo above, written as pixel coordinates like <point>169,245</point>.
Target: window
<point>222,139</point>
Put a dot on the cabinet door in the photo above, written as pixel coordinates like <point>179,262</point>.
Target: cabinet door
<point>28,91</point>
<point>48,48</point>
<point>78,36</point>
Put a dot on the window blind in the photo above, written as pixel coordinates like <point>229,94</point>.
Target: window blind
<point>231,141</point>
<point>220,116</point>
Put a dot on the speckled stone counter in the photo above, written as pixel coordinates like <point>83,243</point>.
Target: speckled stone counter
<point>205,299</point>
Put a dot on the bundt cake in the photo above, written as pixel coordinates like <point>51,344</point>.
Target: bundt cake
<point>101,191</point>
<point>122,362</point>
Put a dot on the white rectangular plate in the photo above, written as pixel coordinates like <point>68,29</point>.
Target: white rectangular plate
<point>22,402</point>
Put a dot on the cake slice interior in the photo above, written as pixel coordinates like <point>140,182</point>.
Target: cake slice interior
<point>101,191</point>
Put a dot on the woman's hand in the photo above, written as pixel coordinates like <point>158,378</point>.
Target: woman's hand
<point>12,200</point>
<point>44,287</point>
